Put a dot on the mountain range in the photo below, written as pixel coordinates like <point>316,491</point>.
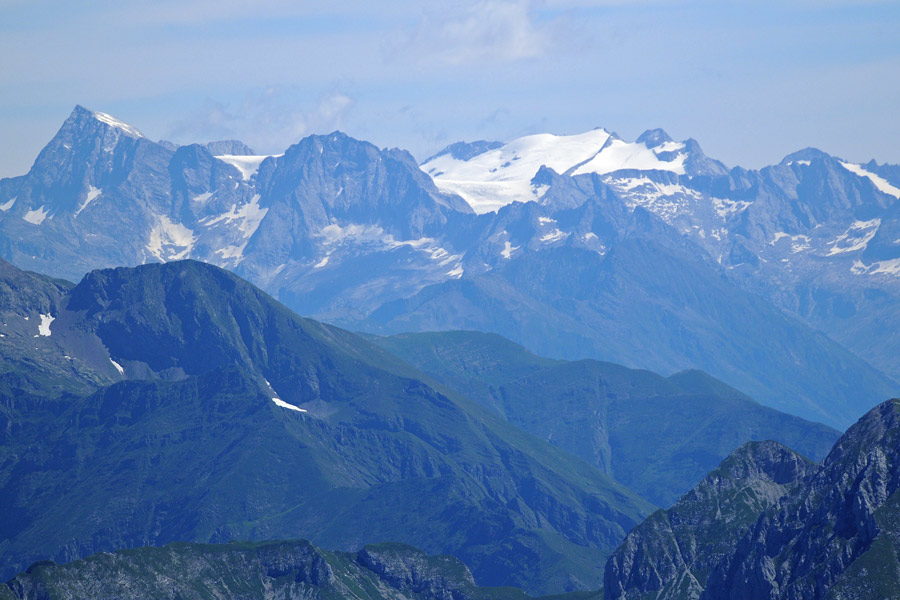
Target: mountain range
<point>177,402</point>
<point>779,282</point>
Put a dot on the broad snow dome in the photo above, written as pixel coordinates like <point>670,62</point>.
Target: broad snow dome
<point>495,178</point>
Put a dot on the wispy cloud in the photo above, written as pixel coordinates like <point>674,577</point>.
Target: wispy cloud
<point>269,120</point>
<point>202,12</point>
<point>488,30</point>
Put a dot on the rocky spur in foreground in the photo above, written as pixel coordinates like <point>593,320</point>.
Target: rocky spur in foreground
<point>284,570</point>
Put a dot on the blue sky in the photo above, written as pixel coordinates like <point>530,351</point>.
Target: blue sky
<point>751,81</point>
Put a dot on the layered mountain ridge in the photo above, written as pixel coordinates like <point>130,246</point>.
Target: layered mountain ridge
<point>364,238</point>
<point>202,410</point>
<point>659,436</point>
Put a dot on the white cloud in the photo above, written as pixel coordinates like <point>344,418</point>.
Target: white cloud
<point>488,30</point>
<point>202,12</point>
<point>268,120</point>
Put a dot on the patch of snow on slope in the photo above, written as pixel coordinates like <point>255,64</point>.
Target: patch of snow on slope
<point>665,200</point>
<point>167,237</point>
<point>37,216</point>
<point>725,207</point>
<point>554,236</point>
<point>279,402</point>
<point>799,242</point>
<point>891,267</point>
<point>117,366</point>
<point>92,195</point>
<point>322,262</point>
<point>248,165</point>
<point>44,327</point>
<point>376,238</point>
<point>881,183</point>
<point>857,237</point>
<point>202,198</point>
<point>888,267</point>
<point>114,122</point>
<point>456,273</point>
<point>508,249</point>
<point>232,252</point>
<point>250,216</point>
<point>8,205</point>
<point>283,404</point>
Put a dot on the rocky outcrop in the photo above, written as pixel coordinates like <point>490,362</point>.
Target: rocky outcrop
<point>291,570</point>
<point>769,525</point>
<point>406,568</point>
<point>817,542</point>
<point>671,554</point>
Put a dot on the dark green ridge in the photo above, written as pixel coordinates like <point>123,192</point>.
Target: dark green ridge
<point>188,444</point>
<point>657,435</point>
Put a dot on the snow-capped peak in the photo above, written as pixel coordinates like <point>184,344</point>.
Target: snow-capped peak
<point>500,176</point>
<point>120,125</point>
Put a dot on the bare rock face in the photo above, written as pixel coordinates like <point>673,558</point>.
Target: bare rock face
<point>672,553</point>
<point>838,536</point>
<point>290,570</point>
<point>405,568</point>
<point>768,525</point>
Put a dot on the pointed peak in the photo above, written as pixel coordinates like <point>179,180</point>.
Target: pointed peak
<point>80,111</point>
<point>117,124</point>
<point>82,115</point>
<point>653,138</point>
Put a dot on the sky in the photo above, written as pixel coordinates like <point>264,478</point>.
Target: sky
<point>750,80</point>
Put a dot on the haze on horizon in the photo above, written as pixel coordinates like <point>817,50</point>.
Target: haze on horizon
<point>751,81</point>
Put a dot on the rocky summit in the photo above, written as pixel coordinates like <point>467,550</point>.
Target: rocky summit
<point>769,524</point>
